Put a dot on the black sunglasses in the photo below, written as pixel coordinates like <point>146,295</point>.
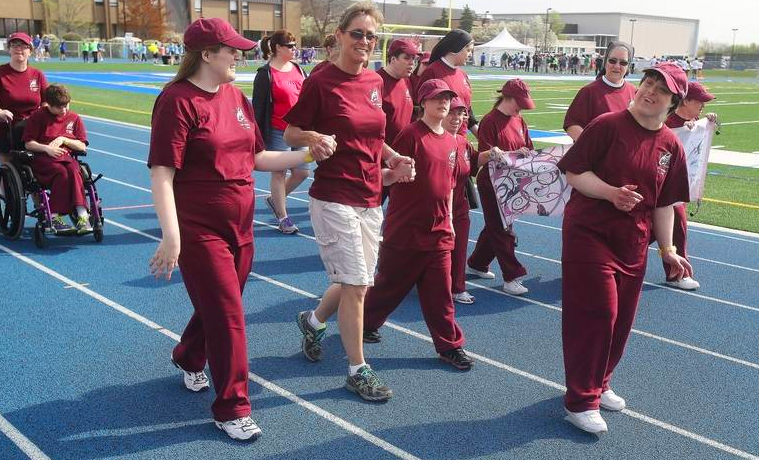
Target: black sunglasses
<point>617,61</point>
<point>360,35</point>
<point>289,45</point>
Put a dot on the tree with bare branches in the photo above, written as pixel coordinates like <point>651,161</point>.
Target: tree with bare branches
<point>66,16</point>
<point>325,14</point>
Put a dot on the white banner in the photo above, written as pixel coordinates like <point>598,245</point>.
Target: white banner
<point>697,143</point>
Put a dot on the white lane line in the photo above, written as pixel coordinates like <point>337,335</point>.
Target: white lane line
<point>69,287</point>
<point>89,132</point>
<point>108,121</point>
<point>124,157</point>
<point>342,423</point>
<point>740,122</point>
<point>22,442</point>
<point>126,184</point>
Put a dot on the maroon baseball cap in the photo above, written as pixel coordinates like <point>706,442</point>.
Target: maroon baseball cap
<point>20,36</point>
<point>697,92</point>
<point>204,33</point>
<point>433,88</point>
<point>457,103</point>
<point>425,57</point>
<point>674,77</point>
<point>403,45</point>
<point>520,91</point>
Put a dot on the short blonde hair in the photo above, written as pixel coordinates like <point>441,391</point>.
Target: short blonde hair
<point>358,9</point>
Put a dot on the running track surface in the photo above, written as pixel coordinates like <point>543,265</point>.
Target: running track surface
<point>86,336</point>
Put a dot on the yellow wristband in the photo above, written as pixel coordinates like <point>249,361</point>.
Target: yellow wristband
<point>667,250</point>
<point>308,158</point>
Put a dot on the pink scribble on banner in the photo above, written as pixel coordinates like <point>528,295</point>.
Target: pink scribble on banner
<point>530,184</point>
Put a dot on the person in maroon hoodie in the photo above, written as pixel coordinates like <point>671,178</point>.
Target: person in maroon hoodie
<point>418,234</point>
<point>627,169</point>
<point>689,111</point>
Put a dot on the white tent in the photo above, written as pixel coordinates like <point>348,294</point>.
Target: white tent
<point>503,42</point>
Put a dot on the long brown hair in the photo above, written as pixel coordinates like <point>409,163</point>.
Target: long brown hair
<point>191,64</point>
<point>269,43</point>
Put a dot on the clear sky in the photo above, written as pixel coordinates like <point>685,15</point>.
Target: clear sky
<point>718,17</point>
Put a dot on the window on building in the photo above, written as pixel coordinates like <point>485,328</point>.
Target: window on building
<point>198,6</point>
<point>277,11</point>
<point>99,2</point>
<point>233,5</point>
<point>245,8</point>
<point>113,2</point>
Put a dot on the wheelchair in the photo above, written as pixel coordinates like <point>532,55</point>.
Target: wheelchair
<point>17,183</point>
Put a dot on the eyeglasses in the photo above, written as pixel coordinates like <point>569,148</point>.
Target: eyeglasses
<point>360,35</point>
<point>289,45</point>
<point>617,61</point>
<point>17,44</point>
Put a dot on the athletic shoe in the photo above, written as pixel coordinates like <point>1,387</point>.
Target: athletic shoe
<point>463,297</point>
<point>311,344</point>
<point>270,204</point>
<point>686,284</point>
<point>514,287</point>
<point>372,336</point>
<point>241,429</point>
<point>368,385</point>
<point>458,359</point>
<point>488,275</point>
<point>193,381</point>
<point>83,225</point>
<point>60,226</point>
<point>611,401</point>
<point>287,226</point>
<point>590,421</point>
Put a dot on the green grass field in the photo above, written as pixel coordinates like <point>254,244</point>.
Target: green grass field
<point>737,106</point>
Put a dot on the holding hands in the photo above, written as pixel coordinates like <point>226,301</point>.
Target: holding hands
<point>625,197</point>
<point>322,147</point>
<point>402,166</point>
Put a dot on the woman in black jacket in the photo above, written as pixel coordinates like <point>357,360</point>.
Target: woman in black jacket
<point>275,90</point>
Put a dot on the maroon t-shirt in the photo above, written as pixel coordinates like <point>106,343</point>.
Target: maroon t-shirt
<point>503,131</point>
<point>675,121</point>
<point>595,99</point>
<point>457,81</point>
<point>418,213</point>
<point>211,139</point>
<point>396,103</point>
<point>320,66</point>
<point>413,83</point>
<point>20,92</point>
<point>348,106</point>
<point>621,152</point>
<point>44,127</point>
<point>464,157</point>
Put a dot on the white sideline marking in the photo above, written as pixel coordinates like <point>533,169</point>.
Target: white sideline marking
<point>125,184</point>
<point>90,149</point>
<point>117,138</point>
<point>22,442</point>
<point>116,122</point>
<point>342,423</point>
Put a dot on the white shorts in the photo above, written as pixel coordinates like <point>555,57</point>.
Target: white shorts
<point>348,239</point>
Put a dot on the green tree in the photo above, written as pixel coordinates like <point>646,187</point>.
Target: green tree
<point>556,24</point>
<point>467,19</point>
<point>489,32</point>
<point>442,21</point>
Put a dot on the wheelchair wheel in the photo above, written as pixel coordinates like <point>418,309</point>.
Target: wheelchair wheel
<point>39,236</point>
<point>12,202</point>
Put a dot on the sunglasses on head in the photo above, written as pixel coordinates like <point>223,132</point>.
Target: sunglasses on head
<point>360,35</point>
<point>617,61</point>
<point>289,45</point>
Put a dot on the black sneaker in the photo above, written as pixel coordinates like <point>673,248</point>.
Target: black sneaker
<point>458,359</point>
<point>372,336</point>
<point>368,385</point>
<point>311,344</point>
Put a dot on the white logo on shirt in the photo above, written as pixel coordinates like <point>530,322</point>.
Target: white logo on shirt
<point>33,85</point>
<point>241,119</point>
<point>375,98</point>
<point>408,95</point>
<point>663,166</point>
<point>70,128</point>
<point>452,158</point>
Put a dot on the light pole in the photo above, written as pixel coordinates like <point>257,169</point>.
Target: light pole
<point>545,38</point>
<point>632,32</point>
<point>732,53</point>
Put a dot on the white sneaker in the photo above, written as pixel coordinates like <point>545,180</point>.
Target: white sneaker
<point>242,429</point>
<point>686,284</point>
<point>193,381</point>
<point>484,275</point>
<point>611,401</point>
<point>514,287</point>
<point>463,297</point>
<point>590,421</point>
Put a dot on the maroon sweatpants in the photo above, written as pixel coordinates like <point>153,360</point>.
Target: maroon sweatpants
<point>64,179</point>
<point>598,310</point>
<point>679,237</point>
<point>458,255</point>
<point>494,240</point>
<point>214,274</point>
<point>430,271</point>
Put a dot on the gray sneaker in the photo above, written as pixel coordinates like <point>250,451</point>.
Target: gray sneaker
<point>311,344</point>
<point>368,385</point>
<point>287,226</point>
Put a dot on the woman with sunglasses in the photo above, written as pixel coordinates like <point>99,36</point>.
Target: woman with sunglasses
<point>203,147</point>
<point>450,53</point>
<point>275,91</point>
<point>627,169</point>
<point>342,104</point>
<point>21,91</point>
<point>610,92</point>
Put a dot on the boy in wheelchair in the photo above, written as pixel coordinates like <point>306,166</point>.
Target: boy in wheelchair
<point>52,133</point>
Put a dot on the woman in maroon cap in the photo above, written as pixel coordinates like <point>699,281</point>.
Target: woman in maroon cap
<point>418,235</point>
<point>21,90</point>
<point>342,104</point>
<point>688,112</point>
<point>203,147</point>
<point>627,169</point>
<point>502,127</point>
<point>610,92</point>
<point>275,91</point>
